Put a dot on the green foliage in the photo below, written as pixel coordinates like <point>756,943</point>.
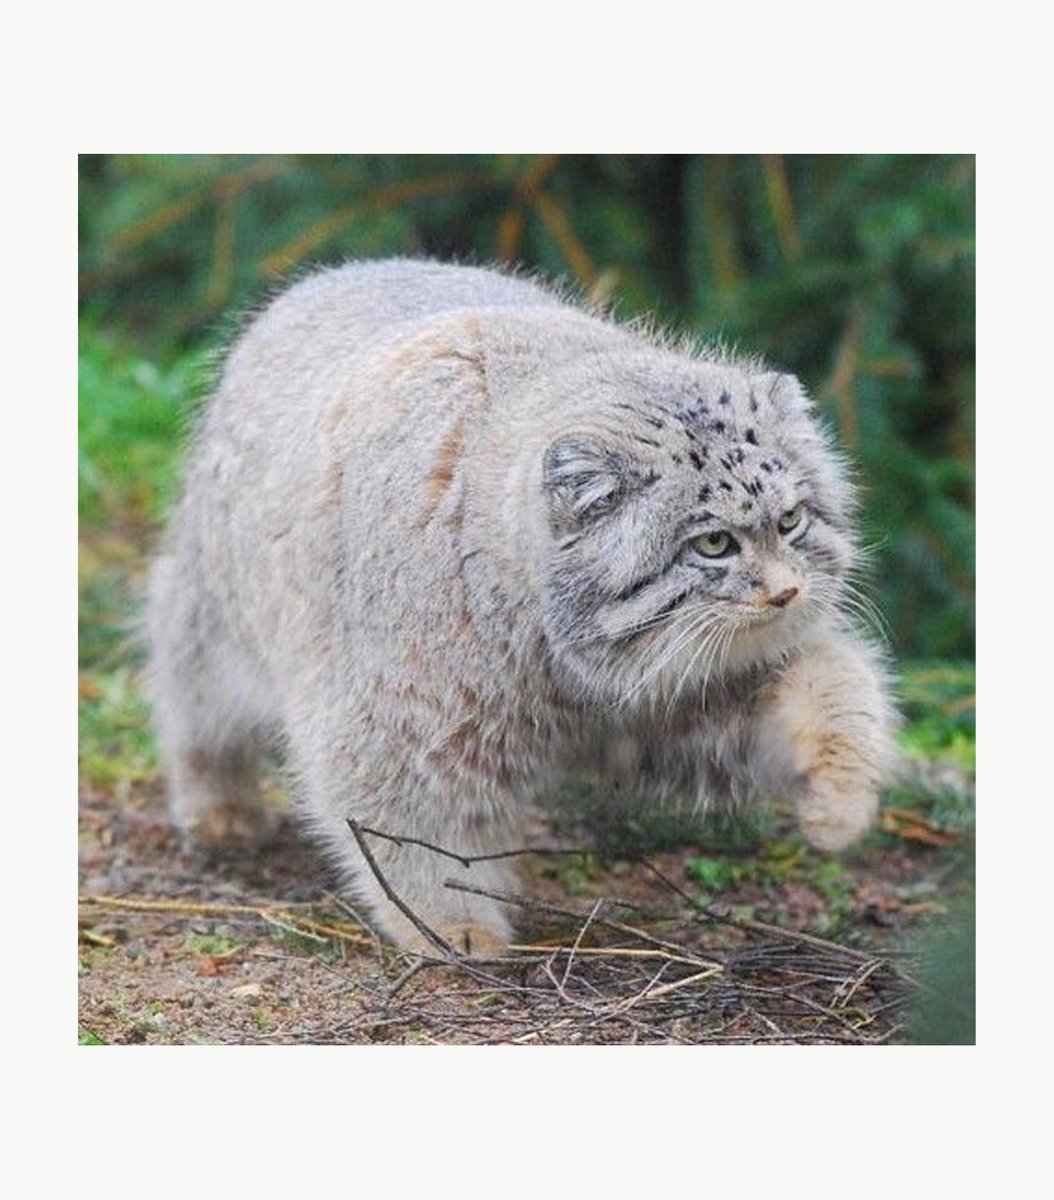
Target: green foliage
<point>855,272</point>
<point>116,748</point>
<point>775,863</point>
<point>214,945</point>
<point>946,1015</point>
<point>938,701</point>
<point>132,416</point>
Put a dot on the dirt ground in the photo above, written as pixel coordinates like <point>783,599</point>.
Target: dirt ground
<point>253,947</point>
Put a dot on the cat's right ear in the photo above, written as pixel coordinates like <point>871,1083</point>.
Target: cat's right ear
<point>584,480</point>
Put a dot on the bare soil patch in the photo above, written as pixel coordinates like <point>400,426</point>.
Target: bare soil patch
<point>254,947</point>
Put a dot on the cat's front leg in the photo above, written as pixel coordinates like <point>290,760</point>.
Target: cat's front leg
<point>827,735</point>
<point>396,828</point>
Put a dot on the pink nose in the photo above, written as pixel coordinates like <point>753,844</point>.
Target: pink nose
<point>784,598</point>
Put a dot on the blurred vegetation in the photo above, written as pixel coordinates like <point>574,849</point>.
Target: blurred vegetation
<point>855,272</point>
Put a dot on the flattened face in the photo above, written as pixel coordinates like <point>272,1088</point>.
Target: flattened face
<point>699,525</point>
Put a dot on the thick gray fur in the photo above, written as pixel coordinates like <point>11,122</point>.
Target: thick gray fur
<point>440,541</point>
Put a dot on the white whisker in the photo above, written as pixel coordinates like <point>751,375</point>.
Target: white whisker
<point>662,656</point>
<point>712,640</point>
<point>847,598</point>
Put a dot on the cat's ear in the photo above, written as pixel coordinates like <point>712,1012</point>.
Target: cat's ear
<point>783,392</point>
<point>584,480</point>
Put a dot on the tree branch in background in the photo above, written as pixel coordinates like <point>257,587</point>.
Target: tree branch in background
<point>843,377</point>
<point>321,231</point>
<point>511,227</point>
<point>782,204</point>
<point>565,237</point>
<point>720,229</point>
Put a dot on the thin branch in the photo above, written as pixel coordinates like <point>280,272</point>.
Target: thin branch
<point>279,914</point>
<point>466,860</point>
<point>322,230</point>
<point>554,910</point>
<point>560,227</point>
<point>612,952</point>
<point>782,204</point>
<point>843,376</point>
<point>425,930</point>
<point>578,940</point>
<point>513,221</point>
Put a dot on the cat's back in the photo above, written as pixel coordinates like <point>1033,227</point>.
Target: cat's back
<point>318,345</point>
<point>339,311</point>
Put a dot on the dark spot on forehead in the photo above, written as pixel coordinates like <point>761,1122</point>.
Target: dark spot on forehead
<point>704,492</point>
<point>726,485</point>
<point>739,455</point>
<point>753,402</point>
<point>725,398</point>
<point>717,426</point>
<point>689,430</point>
<point>767,467</point>
<point>697,406</point>
<point>746,506</point>
<point>677,459</point>
<point>697,462</point>
<point>752,437</point>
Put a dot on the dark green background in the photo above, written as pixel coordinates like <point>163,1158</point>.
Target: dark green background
<point>855,272</point>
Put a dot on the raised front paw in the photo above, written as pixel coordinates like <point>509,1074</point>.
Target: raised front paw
<point>836,809</point>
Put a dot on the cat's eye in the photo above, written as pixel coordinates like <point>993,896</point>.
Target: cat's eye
<point>716,545</point>
<point>791,519</point>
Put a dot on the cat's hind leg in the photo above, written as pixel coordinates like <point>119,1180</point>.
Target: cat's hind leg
<point>207,732</point>
<point>214,793</point>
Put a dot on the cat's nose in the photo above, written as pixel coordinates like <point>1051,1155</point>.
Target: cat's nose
<point>782,599</point>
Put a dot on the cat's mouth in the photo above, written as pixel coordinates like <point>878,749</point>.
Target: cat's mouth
<point>742,614</point>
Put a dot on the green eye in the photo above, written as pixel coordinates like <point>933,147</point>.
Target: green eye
<point>716,545</point>
<point>791,519</point>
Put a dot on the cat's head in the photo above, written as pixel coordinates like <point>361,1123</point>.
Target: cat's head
<point>699,523</point>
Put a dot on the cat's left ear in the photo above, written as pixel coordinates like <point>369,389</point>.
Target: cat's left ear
<point>584,480</point>
<point>783,392</point>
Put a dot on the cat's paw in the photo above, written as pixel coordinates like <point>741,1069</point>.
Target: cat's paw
<point>836,811</point>
<point>476,941</point>
<point>469,941</point>
<point>228,826</point>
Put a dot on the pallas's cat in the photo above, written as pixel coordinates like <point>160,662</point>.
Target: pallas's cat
<point>444,533</point>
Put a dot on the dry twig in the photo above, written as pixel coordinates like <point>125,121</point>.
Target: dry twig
<point>637,985</point>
